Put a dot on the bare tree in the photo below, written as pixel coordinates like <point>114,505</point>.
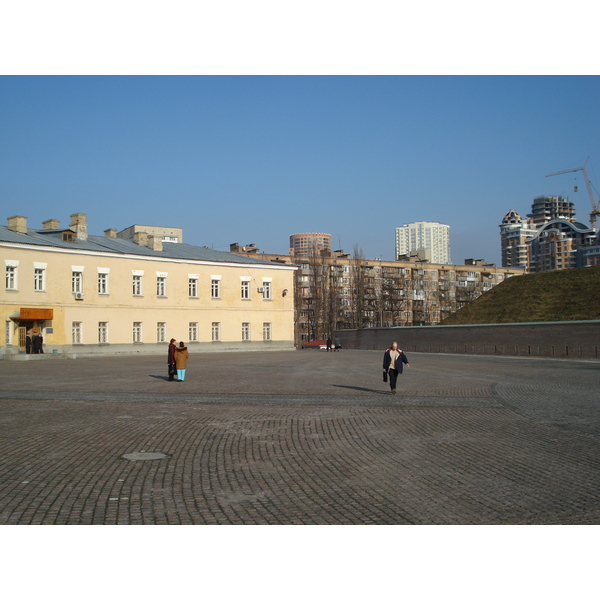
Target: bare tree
<point>357,295</point>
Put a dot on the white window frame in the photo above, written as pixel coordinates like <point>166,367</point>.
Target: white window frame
<point>77,280</point>
<point>161,331</point>
<point>12,275</point>
<point>103,281</point>
<point>267,332</point>
<point>39,280</point>
<point>192,286</point>
<point>11,278</point>
<point>193,331</point>
<point>246,332</point>
<point>103,332</point>
<point>39,276</point>
<point>137,285</point>
<point>76,332</point>
<point>216,331</point>
<point>267,284</point>
<point>137,332</point>
<point>215,287</point>
<point>245,285</point>
<point>161,285</point>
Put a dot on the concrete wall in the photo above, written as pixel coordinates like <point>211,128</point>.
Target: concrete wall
<point>574,339</point>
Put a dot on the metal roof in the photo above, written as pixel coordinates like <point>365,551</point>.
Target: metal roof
<point>94,243</point>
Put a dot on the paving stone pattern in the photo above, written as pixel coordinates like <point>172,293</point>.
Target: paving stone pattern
<point>300,438</point>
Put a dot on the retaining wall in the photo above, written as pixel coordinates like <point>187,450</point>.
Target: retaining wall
<point>568,339</point>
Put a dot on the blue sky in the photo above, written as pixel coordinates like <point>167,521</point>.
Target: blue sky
<point>252,159</point>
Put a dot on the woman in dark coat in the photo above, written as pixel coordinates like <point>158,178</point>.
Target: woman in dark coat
<point>393,359</point>
<point>171,360</point>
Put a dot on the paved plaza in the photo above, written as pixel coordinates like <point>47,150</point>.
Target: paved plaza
<point>305,437</point>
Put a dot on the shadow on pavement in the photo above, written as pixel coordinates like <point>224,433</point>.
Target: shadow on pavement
<point>361,389</point>
<point>159,377</point>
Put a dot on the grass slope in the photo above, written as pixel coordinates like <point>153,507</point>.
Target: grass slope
<point>569,295</point>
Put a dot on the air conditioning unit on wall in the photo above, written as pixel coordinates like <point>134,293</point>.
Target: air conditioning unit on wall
<point>261,290</point>
<point>79,296</point>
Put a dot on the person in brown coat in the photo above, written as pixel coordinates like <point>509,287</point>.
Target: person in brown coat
<point>181,356</point>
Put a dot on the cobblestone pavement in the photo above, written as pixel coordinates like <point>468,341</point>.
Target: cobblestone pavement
<point>300,438</point>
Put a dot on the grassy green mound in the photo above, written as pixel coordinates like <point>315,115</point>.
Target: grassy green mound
<point>570,295</point>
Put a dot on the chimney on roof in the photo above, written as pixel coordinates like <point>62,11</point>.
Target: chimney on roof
<point>78,226</point>
<point>18,224</point>
<point>51,225</point>
<point>140,238</point>
<point>155,243</point>
<point>111,233</point>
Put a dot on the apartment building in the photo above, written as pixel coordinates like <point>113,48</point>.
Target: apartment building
<point>306,244</point>
<point>561,245</point>
<point>515,233</point>
<point>336,291</point>
<point>548,239</point>
<point>431,239</point>
<point>108,295</point>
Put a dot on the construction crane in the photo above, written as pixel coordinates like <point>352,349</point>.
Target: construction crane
<point>595,205</point>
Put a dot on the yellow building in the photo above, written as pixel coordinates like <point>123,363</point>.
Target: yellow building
<point>107,295</point>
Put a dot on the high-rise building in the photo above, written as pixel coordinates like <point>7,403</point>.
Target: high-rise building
<point>550,239</point>
<point>515,232</point>
<point>560,244</point>
<point>307,244</point>
<point>550,208</point>
<point>434,238</point>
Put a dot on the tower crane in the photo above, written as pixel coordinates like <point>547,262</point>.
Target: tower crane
<point>595,205</point>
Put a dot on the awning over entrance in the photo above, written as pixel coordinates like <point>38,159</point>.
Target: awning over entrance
<point>34,314</point>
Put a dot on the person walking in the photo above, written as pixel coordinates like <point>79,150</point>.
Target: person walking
<point>393,361</point>
<point>181,356</point>
<point>328,344</point>
<point>337,344</point>
<point>171,360</point>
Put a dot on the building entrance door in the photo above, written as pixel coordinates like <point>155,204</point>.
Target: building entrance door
<point>24,326</point>
<point>22,338</point>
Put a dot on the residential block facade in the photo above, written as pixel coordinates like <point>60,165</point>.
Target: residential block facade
<point>335,291</point>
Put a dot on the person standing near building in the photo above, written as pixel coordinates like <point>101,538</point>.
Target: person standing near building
<point>37,343</point>
<point>328,344</point>
<point>393,361</point>
<point>337,344</point>
<point>171,360</point>
<point>181,356</point>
